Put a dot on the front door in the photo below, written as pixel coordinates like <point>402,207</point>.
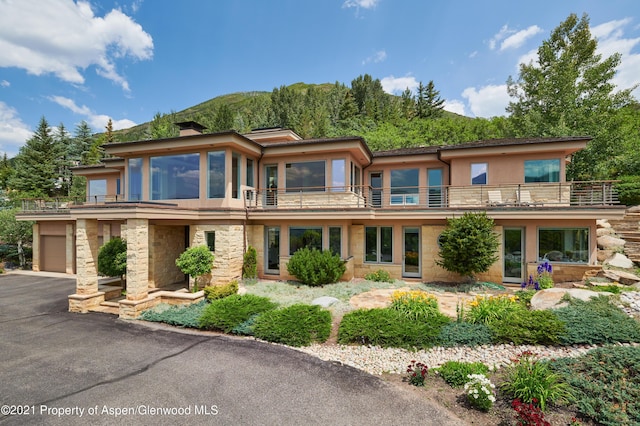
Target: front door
<point>411,255</point>
<point>375,182</point>
<point>513,256</point>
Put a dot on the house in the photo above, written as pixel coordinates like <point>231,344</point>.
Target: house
<point>278,192</point>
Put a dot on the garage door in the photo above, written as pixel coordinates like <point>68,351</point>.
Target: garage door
<point>53,253</point>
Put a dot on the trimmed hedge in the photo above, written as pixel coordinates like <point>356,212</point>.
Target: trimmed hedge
<point>315,268</point>
<point>215,292</point>
<point>296,325</point>
<point>228,313</point>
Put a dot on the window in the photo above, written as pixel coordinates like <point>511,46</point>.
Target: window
<point>563,244</point>
<point>337,175</point>
<point>542,170</point>
<point>134,173</point>
<point>118,186</point>
<point>378,244</point>
<point>249,172</point>
<point>235,175</point>
<point>404,186</point>
<point>434,180</point>
<point>175,177</point>
<point>479,173</point>
<point>307,176</point>
<point>335,240</point>
<point>305,237</point>
<point>97,190</point>
<point>355,178</point>
<point>216,171</point>
<point>210,238</point>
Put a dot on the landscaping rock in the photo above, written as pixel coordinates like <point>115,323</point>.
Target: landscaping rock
<point>604,255</point>
<point>551,298</point>
<point>603,223</point>
<point>626,278</point>
<point>607,242</point>
<point>325,301</point>
<point>605,231</point>
<point>619,260</point>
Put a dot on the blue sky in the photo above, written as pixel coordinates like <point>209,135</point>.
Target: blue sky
<point>128,59</point>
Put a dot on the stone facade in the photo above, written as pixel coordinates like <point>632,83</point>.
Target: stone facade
<point>166,245</point>
<point>137,259</point>
<point>229,251</point>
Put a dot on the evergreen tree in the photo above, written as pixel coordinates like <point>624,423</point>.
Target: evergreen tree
<point>163,126</point>
<point>78,148</point>
<point>38,165</point>
<point>428,102</point>
<point>63,141</point>
<point>109,137</point>
<point>569,91</point>
<point>6,171</point>
<point>408,104</point>
<point>223,119</point>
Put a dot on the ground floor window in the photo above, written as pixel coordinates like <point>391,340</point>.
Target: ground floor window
<point>563,244</point>
<point>378,244</point>
<point>309,236</point>
<point>335,240</point>
<point>210,237</point>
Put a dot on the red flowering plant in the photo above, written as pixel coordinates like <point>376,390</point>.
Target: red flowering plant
<point>529,414</point>
<point>417,372</point>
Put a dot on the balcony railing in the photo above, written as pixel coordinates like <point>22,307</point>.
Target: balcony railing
<point>64,204</point>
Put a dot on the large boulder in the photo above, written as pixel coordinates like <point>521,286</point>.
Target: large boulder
<point>604,255</point>
<point>608,242</point>
<point>605,231</point>
<point>551,298</point>
<point>623,277</point>
<point>603,223</point>
<point>325,301</point>
<point>619,260</point>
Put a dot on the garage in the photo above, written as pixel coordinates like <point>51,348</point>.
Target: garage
<point>53,253</point>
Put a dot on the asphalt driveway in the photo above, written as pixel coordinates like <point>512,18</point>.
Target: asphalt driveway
<point>58,367</point>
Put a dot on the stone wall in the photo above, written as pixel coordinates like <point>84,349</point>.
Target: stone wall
<point>166,245</point>
<point>564,272</point>
<point>229,245</point>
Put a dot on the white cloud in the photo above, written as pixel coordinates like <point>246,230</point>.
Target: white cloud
<point>96,121</point>
<point>64,38</point>
<point>528,58</point>
<point>488,101</point>
<point>365,4</point>
<point>13,132</point>
<point>379,56</point>
<point>5,83</point>
<point>455,106</point>
<point>502,34</point>
<point>397,85</point>
<point>473,54</point>
<point>516,40</point>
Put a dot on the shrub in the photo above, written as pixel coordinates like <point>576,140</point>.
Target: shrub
<point>246,328</point>
<point>533,381</point>
<point>215,292</point>
<point>179,315</point>
<point>468,245</point>
<point>524,296</point>
<point>486,309</point>
<point>464,333</point>
<point>629,190</point>
<point>228,313</point>
<point>528,328</point>
<point>195,261</point>
<point>528,414</point>
<point>415,304</point>
<point>479,391</point>
<point>250,263</point>
<point>455,372</point>
<point>596,322</point>
<point>314,267</point>
<point>389,328</point>
<point>112,258</point>
<point>295,325</point>
<point>416,373</point>
<point>379,276</point>
<point>605,384</point>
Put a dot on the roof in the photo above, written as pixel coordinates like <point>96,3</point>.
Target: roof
<point>321,141</point>
<point>512,141</point>
<point>418,150</point>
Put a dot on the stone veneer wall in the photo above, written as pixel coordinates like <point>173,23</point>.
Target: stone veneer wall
<point>564,272</point>
<point>255,238</point>
<point>166,244</point>
<point>229,253</point>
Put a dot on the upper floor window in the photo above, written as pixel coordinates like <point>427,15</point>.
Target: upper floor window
<point>307,176</point>
<point>479,173</point>
<point>175,177</point>
<point>216,174</point>
<point>235,175</point>
<point>542,170</point>
<point>404,186</point>
<point>338,175</point>
<point>97,189</point>
<point>134,174</point>
<point>249,172</point>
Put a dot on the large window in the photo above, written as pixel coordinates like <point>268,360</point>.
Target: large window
<point>479,173</point>
<point>563,244</point>
<point>134,173</point>
<point>215,171</point>
<point>434,180</point>
<point>299,237</point>
<point>542,170</point>
<point>355,179</point>
<point>404,186</point>
<point>97,189</point>
<point>335,240</point>
<point>235,175</point>
<point>378,244</point>
<point>307,176</point>
<point>337,175</point>
<point>249,172</point>
<point>175,177</point>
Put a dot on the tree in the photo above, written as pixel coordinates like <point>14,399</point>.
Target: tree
<point>6,171</point>
<point>408,104</point>
<point>38,165</point>
<point>112,258</point>
<point>195,261</point>
<point>15,232</point>
<point>468,245</point>
<point>63,140</point>
<point>223,119</point>
<point>108,134</point>
<point>569,91</point>
<point>428,102</point>
<point>163,126</point>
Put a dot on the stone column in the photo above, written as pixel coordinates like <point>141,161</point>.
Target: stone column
<point>35,247</point>
<point>106,232</point>
<point>137,259</point>
<point>87,256</point>
<point>69,246</point>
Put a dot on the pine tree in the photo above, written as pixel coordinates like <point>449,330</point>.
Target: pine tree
<point>80,144</point>
<point>6,171</point>
<point>408,104</point>
<point>109,137</point>
<point>428,102</point>
<point>38,164</point>
<point>63,141</point>
<point>223,119</point>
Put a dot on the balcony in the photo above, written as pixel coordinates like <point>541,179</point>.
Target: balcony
<point>64,204</point>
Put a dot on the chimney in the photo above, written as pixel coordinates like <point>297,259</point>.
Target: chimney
<point>189,128</point>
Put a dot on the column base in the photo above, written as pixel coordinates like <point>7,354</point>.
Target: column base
<point>82,303</point>
<point>131,309</point>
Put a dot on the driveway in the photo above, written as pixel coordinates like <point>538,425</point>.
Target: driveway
<point>58,367</point>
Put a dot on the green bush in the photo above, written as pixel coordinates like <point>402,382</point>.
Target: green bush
<point>389,328</point>
<point>596,322</point>
<point>464,334</point>
<point>487,309</point>
<point>525,296</point>
<point>228,313</point>
<point>416,304</point>
<point>250,263</point>
<point>215,292</point>
<point>528,328</point>
<point>179,315</point>
<point>195,261</point>
<point>295,325</point>
<point>629,190</point>
<point>379,276</point>
<point>314,267</point>
<point>246,328</point>
<point>533,381</point>
<point>455,372</point>
<point>112,258</point>
<point>605,384</point>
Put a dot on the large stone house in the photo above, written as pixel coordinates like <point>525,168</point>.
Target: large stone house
<point>277,192</point>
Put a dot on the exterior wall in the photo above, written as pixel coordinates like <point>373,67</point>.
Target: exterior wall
<point>165,245</point>
<point>229,245</point>
<point>255,238</point>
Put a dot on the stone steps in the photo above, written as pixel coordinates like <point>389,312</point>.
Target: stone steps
<point>629,230</point>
